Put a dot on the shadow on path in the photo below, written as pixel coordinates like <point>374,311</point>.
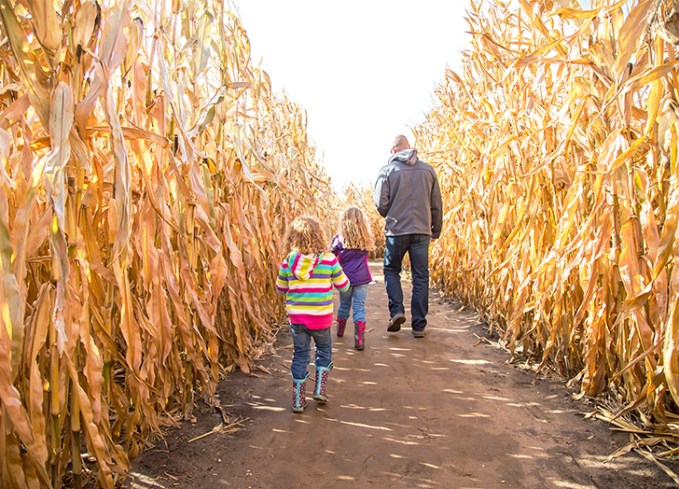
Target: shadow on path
<point>445,411</point>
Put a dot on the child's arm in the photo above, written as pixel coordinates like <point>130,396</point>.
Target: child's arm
<point>339,280</point>
<point>282,279</point>
<point>336,245</point>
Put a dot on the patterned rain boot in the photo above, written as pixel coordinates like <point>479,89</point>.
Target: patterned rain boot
<point>320,392</point>
<point>359,335</point>
<point>341,324</point>
<point>299,394</point>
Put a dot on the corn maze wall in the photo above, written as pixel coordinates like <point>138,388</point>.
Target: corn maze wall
<point>147,175</point>
<point>148,171</point>
<point>556,147</point>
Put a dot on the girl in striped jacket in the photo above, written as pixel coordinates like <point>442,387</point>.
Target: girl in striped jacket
<point>306,277</point>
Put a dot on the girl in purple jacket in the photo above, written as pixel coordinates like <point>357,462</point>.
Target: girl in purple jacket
<point>351,246</point>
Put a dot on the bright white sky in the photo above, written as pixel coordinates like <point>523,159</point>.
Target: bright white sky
<point>364,71</point>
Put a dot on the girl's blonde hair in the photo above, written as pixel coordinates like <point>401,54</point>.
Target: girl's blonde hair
<point>306,236</point>
<point>354,230</point>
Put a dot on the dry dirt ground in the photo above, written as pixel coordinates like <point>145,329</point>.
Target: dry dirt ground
<point>446,411</point>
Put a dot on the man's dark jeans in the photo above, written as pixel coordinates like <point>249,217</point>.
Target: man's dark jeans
<point>417,247</point>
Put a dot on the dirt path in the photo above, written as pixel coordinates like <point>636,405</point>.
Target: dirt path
<point>445,411</point>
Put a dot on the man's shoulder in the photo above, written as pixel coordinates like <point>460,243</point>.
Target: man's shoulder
<point>426,166</point>
<point>418,166</point>
<point>387,169</point>
<point>398,167</point>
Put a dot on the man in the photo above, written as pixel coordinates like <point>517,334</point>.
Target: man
<point>408,195</point>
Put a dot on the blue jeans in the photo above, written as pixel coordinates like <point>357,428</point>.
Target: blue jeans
<point>301,341</point>
<point>355,297</point>
<point>417,247</point>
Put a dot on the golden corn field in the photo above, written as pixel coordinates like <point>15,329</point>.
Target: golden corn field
<point>556,147</point>
<point>147,175</point>
<point>148,171</point>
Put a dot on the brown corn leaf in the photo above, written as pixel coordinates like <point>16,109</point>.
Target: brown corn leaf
<point>45,23</point>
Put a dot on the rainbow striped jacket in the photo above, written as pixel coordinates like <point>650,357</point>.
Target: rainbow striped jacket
<point>306,281</point>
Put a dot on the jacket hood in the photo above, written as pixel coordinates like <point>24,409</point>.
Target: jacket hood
<point>301,265</point>
<point>407,156</point>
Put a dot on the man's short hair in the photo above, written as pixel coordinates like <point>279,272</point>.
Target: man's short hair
<point>400,143</point>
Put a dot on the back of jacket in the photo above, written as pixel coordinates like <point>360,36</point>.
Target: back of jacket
<point>408,195</point>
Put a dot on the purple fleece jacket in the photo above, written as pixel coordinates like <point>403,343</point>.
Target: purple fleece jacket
<point>354,262</point>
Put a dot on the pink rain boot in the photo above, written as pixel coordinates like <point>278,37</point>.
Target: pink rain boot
<point>341,324</point>
<point>359,335</point>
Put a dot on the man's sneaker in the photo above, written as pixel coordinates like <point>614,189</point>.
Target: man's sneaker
<point>418,333</point>
<point>395,322</point>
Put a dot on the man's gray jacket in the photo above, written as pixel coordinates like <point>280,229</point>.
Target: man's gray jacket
<point>408,195</point>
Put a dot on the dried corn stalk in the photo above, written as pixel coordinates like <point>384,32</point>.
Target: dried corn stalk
<point>147,173</point>
<point>556,147</point>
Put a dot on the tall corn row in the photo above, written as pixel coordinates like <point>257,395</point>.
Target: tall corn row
<point>556,146</point>
<point>147,175</point>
